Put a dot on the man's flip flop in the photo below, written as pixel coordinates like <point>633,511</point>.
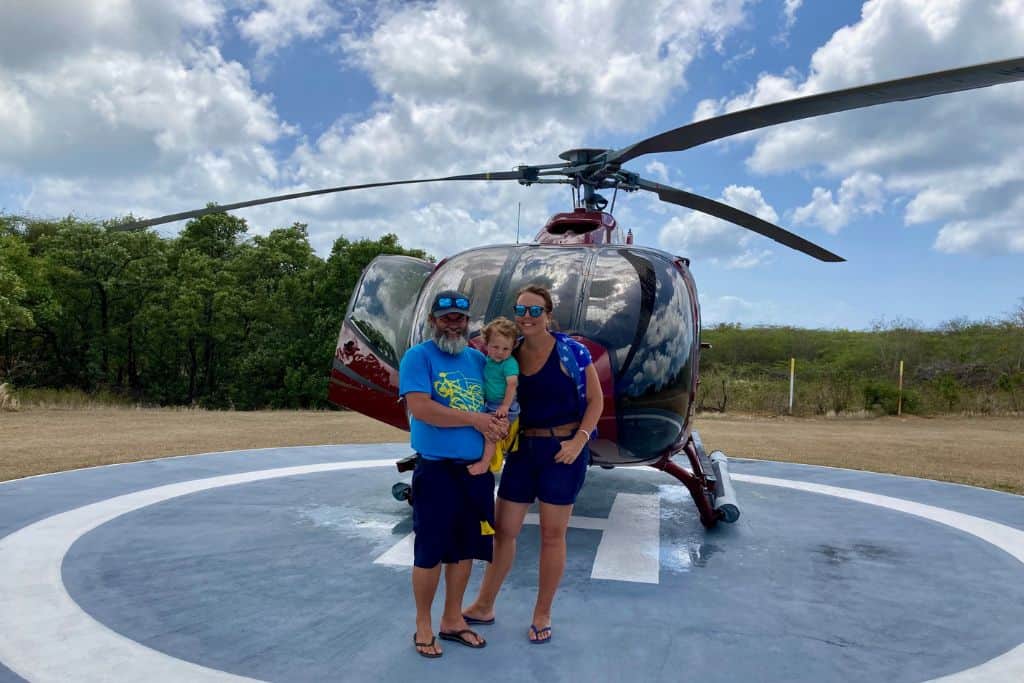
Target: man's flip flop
<point>460,637</point>
<point>474,620</point>
<point>428,655</point>
<point>538,635</point>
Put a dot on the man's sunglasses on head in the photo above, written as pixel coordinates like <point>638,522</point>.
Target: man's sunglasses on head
<point>535,311</point>
<point>448,302</point>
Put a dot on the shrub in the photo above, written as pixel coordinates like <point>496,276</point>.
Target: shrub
<point>881,397</point>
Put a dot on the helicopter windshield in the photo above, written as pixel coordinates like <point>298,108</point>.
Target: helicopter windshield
<point>474,273</point>
<point>560,269</point>
<point>381,308</point>
<point>631,301</point>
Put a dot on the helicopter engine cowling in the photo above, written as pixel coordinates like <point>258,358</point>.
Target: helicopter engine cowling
<point>635,308</point>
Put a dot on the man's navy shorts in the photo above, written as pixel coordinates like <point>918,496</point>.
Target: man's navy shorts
<point>448,504</point>
<point>532,473</point>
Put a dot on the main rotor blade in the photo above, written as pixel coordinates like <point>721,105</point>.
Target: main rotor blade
<point>914,87</point>
<point>170,218</point>
<point>738,217</point>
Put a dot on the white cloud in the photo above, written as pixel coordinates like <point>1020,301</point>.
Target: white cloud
<point>127,106</point>
<point>111,119</point>
<point>789,11</point>
<point>658,171</point>
<point>997,233</point>
<point>498,57</point>
<point>133,106</point>
<point>35,35</point>
<point>943,155</point>
<point>279,22</point>
<point>469,86</point>
<point>728,308</point>
<point>697,235</point>
<point>860,194</point>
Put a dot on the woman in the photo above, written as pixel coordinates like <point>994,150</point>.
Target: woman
<point>560,401</point>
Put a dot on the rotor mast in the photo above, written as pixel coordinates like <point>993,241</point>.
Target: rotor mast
<point>588,170</point>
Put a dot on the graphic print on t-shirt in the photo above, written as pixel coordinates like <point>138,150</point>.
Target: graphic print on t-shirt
<point>461,393</point>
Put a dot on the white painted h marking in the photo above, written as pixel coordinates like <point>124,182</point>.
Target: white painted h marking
<point>630,545</point>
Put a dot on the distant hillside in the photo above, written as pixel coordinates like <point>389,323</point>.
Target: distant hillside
<point>974,367</point>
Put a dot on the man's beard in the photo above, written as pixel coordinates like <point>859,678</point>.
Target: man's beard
<point>452,346</point>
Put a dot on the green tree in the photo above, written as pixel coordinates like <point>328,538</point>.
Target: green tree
<point>285,345</point>
<point>12,294</point>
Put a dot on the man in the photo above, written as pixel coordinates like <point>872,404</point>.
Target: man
<point>441,380</point>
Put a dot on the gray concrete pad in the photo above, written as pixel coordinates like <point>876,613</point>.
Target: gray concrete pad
<point>291,564</point>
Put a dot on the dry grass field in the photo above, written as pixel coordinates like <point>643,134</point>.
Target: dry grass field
<point>981,451</point>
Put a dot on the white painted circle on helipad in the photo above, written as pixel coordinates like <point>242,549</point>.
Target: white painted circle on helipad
<point>46,636</point>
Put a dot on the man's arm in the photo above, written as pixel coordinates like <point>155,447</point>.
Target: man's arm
<point>427,410</point>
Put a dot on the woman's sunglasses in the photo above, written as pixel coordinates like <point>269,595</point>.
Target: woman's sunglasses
<point>446,302</point>
<point>535,311</point>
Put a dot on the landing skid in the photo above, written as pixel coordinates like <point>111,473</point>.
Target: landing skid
<point>707,480</point>
<point>402,491</point>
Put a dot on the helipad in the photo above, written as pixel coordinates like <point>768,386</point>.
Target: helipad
<point>291,564</point>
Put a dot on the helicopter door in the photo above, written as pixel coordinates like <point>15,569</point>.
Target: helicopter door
<point>373,337</point>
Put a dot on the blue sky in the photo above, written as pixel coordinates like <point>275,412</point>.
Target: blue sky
<point>154,107</point>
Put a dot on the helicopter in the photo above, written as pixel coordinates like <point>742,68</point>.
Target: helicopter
<point>634,307</point>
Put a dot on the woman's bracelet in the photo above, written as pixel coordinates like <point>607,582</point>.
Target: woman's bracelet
<point>585,432</point>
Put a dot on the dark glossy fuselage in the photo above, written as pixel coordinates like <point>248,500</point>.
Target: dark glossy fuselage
<point>635,308</point>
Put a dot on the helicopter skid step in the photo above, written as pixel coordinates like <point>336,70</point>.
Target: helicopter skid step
<point>715,469</point>
<point>725,497</point>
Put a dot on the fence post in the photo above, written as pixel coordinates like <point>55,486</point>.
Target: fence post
<point>792,371</point>
<point>899,399</point>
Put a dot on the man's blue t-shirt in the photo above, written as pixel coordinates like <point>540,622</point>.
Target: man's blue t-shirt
<point>453,381</point>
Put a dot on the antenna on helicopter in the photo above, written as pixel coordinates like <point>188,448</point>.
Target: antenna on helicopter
<point>519,213</point>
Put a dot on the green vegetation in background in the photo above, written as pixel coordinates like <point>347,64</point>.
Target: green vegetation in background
<point>212,317</point>
<point>217,318</point>
<point>973,367</point>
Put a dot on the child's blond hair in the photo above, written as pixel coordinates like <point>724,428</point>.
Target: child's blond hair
<point>503,326</point>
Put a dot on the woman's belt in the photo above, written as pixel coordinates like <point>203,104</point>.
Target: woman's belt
<point>559,431</point>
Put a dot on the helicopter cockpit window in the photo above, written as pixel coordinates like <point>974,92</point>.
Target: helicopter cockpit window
<point>655,384</point>
<point>662,362</point>
<point>382,307</point>
<point>474,273</point>
<point>560,269</point>
<point>615,305</point>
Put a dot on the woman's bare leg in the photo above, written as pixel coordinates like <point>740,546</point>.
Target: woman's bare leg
<point>554,521</point>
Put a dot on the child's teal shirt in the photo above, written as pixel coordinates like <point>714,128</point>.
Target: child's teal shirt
<point>494,378</point>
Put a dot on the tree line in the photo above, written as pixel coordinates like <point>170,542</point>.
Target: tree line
<point>213,317</point>
<point>218,318</point>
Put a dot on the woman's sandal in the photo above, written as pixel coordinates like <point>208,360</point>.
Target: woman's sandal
<point>539,637</point>
<point>428,655</point>
<point>460,637</point>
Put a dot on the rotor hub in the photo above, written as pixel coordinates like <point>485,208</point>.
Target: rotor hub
<point>582,155</point>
